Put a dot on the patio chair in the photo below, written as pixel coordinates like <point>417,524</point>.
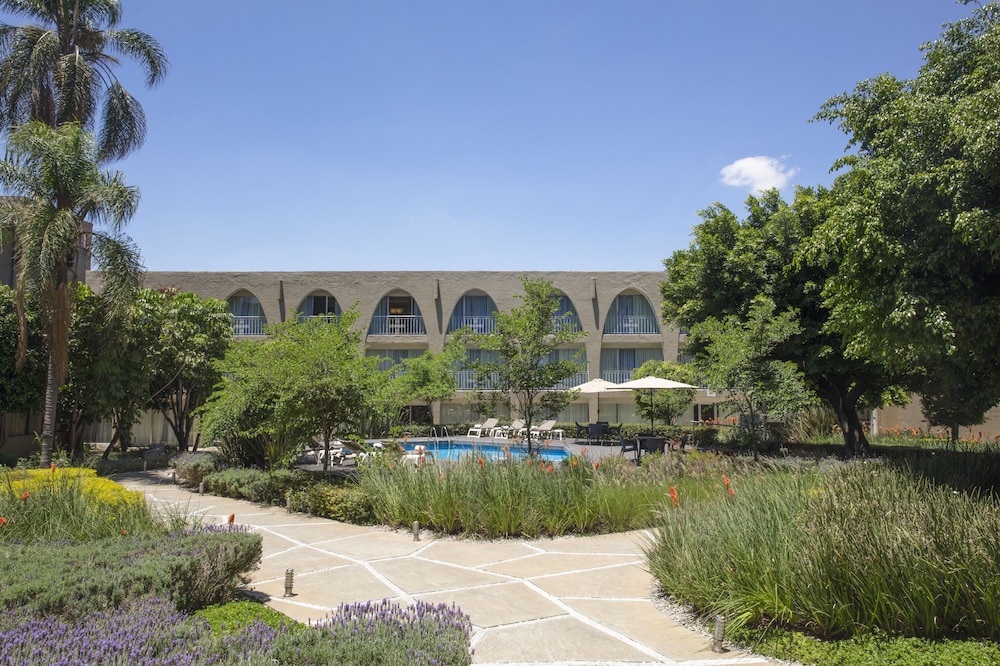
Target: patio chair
<point>483,429</point>
<point>630,446</point>
<point>581,431</point>
<point>595,432</point>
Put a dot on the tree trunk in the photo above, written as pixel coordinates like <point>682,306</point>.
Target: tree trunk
<point>49,413</point>
<point>842,394</point>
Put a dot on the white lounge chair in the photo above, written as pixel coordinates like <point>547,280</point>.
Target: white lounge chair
<point>547,430</point>
<point>483,429</point>
<point>507,431</point>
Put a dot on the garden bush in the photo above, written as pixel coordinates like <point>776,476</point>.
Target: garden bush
<point>344,502</point>
<point>193,569</point>
<point>192,468</point>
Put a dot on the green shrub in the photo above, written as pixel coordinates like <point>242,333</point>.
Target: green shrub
<point>234,616</point>
<point>193,569</point>
<point>192,468</point>
<point>346,503</point>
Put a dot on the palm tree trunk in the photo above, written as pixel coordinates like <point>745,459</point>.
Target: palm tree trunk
<point>49,413</point>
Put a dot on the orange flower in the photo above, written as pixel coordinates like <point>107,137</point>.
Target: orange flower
<point>392,465</point>
<point>3,522</point>
<point>124,532</point>
<point>52,466</point>
<point>574,462</point>
<point>506,455</point>
<point>732,492</point>
<point>231,518</point>
<point>673,496</point>
<point>549,469</point>
<point>725,480</point>
<point>596,465</point>
<point>24,495</point>
<point>480,462</point>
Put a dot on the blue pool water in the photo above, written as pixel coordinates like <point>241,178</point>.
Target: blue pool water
<point>454,450</point>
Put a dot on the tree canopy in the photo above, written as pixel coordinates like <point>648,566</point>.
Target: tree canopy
<point>731,262</point>
<point>60,70</point>
<point>914,231</point>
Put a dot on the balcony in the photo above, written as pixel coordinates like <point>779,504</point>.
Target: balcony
<point>616,376</point>
<point>631,325</point>
<point>574,381</point>
<point>476,324</point>
<point>248,325</point>
<point>397,325</point>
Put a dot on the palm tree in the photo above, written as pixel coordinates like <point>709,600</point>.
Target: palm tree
<point>58,196</point>
<point>59,70</point>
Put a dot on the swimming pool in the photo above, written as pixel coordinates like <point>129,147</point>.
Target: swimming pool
<point>454,450</point>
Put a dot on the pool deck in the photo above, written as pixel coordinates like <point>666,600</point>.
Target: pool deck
<point>573,601</point>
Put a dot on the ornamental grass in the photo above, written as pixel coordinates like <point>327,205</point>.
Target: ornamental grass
<point>529,497</point>
<point>70,503</point>
<point>857,548</point>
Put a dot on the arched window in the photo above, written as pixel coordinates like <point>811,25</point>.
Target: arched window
<point>247,313</point>
<point>397,314</point>
<point>319,304</point>
<point>566,316</point>
<point>631,314</point>
<point>475,311</point>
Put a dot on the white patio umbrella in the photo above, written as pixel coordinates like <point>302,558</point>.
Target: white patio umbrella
<point>597,386</point>
<point>651,384</point>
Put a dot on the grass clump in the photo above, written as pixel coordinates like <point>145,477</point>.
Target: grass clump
<point>509,498</point>
<point>855,549</point>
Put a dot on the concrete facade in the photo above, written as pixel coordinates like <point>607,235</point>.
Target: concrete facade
<point>436,294</point>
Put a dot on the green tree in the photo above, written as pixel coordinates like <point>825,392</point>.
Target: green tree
<point>193,333</point>
<point>525,371</point>
<point>664,406</point>
<point>305,379</point>
<point>60,69</point>
<point>58,195</point>
<point>739,360</point>
<point>21,390</point>
<point>732,261</point>
<point>915,232</point>
<point>430,377</point>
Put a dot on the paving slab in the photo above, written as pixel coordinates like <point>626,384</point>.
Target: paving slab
<point>580,601</point>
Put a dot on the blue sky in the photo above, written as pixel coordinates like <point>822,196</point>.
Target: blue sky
<point>461,135</point>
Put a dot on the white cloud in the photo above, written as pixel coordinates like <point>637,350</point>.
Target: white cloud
<point>759,173</point>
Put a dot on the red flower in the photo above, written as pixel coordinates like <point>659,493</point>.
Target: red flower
<point>52,467</point>
<point>124,532</point>
<point>231,518</point>
<point>732,492</point>
<point>24,495</point>
<point>673,496</point>
<point>506,455</point>
<point>3,522</point>
<point>480,462</point>
<point>596,465</point>
<point>549,469</point>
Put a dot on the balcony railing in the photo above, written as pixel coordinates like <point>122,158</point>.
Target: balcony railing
<point>566,323</point>
<point>329,317</point>
<point>467,381</point>
<point>631,325</point>
<point>397,325</point>
<point>477,324</point>
<point>616,376</point>
<point>573,382</point>
<point>247,325</point>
